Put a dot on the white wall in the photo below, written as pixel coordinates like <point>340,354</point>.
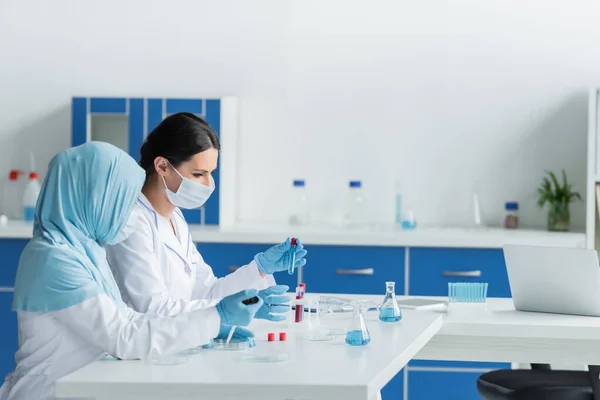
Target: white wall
<point>446,93</point>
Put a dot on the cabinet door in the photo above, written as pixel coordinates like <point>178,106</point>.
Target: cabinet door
<point>354,269</point>
<point>442,385</point>
<point>432,268</point>
<point>224,258</point>
<point>11,250</point>
<point>8,333</point>
<point>394,390</point>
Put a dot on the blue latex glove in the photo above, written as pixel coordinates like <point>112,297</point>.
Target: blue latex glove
<point>239,333</point>
<point>233,312</point>
<point>278,258</point>
<point>274,303</point>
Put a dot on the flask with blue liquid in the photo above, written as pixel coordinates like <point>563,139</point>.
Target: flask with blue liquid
<point>389,311</point>
<point>357,333</point>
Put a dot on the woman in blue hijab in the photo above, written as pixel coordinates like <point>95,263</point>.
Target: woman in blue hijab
<point>69,308</point>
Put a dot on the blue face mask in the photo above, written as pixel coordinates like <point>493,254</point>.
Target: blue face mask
<point>190,195</point>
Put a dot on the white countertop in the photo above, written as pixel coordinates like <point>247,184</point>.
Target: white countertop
<point>321,370</point>
<point>375,236</point>
<point>316,370</point>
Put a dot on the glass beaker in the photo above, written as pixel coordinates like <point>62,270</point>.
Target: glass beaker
<point>357,333</point>
<point>390,312</point>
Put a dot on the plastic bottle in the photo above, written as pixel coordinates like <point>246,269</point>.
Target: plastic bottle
<point>398,204</point>
<point>355,210</point>
<point>511,217</point>
<point>300,213</point>
<point>30,196</point>
<point>12,205</point>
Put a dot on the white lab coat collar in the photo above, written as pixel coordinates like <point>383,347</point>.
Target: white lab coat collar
<point>180,244</point>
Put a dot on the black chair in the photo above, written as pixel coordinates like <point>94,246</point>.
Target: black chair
<point>540,383</point>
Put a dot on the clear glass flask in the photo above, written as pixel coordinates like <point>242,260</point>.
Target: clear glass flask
<point>390,312</point>
<point>357,333</point>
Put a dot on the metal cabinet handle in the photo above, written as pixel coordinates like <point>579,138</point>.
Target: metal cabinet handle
<point>364,271</point>
<point>233,268</point>
<point>6,289</point>
<point>469,274</point>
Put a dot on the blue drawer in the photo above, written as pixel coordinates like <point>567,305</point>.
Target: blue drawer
<point>432,268</point>
<point>224,258</point>
<point>8,335</point>
<point>394,390</point>
<point>10,252</point>
<point>442,385</point>
<point>354,269</point>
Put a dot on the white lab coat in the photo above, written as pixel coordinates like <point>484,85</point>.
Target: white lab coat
<point>55,344</point>
<point>159,271</point>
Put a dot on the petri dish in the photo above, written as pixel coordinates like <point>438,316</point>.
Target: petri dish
<point>334,331</point>
<point>234,344</point>
<point>168,360</point>
<point>267,357</point>
<point>319,336</point>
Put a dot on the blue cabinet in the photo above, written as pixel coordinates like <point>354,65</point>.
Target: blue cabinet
<point>353,269</point>
<point>125,122</point>
<point>8,334</point>
<point>432,268</point>
<point>454,380</point>
<point>442,385</point>
<point>224,258</point>
<point>10,252</point>
<point>394,390</point>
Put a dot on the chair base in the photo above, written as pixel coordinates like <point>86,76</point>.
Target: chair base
<point>535,385</point>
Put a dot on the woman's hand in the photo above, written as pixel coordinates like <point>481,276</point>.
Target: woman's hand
<point>280,257</point>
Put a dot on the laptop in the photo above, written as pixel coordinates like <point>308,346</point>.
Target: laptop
<point>553,279</point>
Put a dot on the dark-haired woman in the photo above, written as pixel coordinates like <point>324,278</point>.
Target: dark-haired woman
<point>158,268</point>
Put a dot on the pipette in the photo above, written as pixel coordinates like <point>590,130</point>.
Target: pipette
<point>251,300</point>
<point>230,334</point>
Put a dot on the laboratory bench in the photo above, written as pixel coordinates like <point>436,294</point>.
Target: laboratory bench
<point>466,347</point>
<point>421,262</point>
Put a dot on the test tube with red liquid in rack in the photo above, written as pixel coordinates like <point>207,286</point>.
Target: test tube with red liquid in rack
<point>300,291</point>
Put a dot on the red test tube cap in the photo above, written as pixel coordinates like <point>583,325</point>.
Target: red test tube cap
<point>303,286</point>
<point>282,336</point>
<point>294,242</point>
<point>271,337</point>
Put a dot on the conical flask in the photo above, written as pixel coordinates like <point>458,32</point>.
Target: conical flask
<point>357,333</point>
<point>390,312</point>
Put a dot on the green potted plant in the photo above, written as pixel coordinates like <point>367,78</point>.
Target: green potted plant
<point>558,197</point>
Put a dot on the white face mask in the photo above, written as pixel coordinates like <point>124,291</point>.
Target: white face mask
<point>190,195</point>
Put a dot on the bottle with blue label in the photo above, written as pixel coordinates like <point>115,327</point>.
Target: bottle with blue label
<point>355,208</point>
<point>300,210</point>
<point>30,196</point>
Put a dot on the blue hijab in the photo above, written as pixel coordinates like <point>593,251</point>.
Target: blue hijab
<point>85,200</point>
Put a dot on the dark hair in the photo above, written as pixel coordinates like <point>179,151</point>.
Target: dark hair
<point>177,138</point>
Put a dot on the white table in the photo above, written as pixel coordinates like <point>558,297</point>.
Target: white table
<point>507,335</point>
<point>336,370</point>
<point>316,370</point>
